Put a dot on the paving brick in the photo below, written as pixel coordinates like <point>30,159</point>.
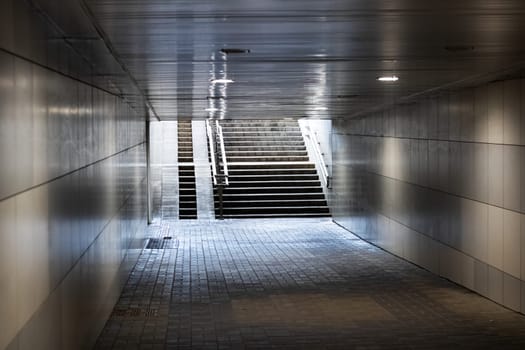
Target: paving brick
<point>294,284</point>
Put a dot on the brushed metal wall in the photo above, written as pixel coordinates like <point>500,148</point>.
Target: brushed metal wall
<point>440,182</point>
<point>72,187</point>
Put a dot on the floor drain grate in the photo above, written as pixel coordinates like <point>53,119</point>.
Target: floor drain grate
<point>135,312</point>
<point>161,243</point>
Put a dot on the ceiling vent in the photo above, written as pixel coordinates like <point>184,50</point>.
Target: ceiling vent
<point>234,51</point>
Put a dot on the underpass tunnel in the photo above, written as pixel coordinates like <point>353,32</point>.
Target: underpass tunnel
<point>209,174</point>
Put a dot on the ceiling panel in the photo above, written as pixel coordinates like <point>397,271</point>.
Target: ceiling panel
<point>307,58</point>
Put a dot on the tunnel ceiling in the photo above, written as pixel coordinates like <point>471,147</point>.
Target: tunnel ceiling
<point>306,58</point>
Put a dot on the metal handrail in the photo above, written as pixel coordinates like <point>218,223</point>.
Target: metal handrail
<point>211,144</point>
<point>223,154</point>
<point>218,158</point>
<point>320,157</point>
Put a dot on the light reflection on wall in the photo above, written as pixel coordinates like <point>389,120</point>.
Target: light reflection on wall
<point>218,91</point>
<point>316,92</point>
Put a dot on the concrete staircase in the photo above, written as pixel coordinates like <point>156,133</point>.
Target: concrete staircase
<point>270,173</point>
<point>187,190</point>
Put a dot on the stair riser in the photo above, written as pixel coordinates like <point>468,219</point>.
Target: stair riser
<point>277,124</point>
<point>256,191</point>
<point>269,140</point>
<point>261,172</point>
<point>249,130</point>
<point>272,216</point>
<point>266,159</point>
<point>187,192</point>
<point>270,166</point>
<point>266,149</point>
<point>309,183</point>
<point>276,204</point>
<point>273,197</point>
<point>187,205</point>
<point>276,177</point>
<point>230,153</point>
<point>273,210</point>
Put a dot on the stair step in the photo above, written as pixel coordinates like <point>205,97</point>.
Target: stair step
<point>272,203</point>
<point>262,123</point>
<point>274,177</point>
<point>257,172</point>
<point>269,190</point>
<point>272,196</point>
<point>296,141</point>
<point>270,173</point>
<point>275,210</point>
<point>272,153</point>
<point>263,141</point>
<point>251,129</point>
<point>232,149</point>
<point>274,183</point>
<point>277,165</point>
<point>266,158</point>
<point>274,216</point>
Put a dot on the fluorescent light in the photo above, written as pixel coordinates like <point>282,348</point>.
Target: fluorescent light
<point>221,81</point>
<point>211,109</point>
<point>388,78</point>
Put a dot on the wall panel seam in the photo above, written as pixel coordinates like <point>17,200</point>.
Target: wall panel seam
<point>438,190</point>
<point>431,139</point>
<point>71,172</point>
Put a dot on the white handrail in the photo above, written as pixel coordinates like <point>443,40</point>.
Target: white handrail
<point>320,158</point>
<point>211,143</point>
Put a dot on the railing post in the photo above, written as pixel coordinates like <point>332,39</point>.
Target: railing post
<point>221,206</point>
<point>148,173</point>
<point>319,156</point>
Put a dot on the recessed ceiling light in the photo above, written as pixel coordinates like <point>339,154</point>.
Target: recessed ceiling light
<point>388,78</point>
<point>221,81</point>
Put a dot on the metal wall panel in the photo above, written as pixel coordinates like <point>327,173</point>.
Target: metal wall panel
<point>72,191</point>
<point>451,183</point>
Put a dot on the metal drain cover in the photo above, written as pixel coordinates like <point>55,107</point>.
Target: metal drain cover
<point>161,243</point>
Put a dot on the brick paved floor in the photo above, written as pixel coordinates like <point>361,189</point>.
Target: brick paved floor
<point>294,284</point>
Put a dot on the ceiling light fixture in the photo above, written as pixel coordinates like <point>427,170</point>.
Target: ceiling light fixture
<point>388,78</point>
<point>211,109</point>
<point>221,81</point>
